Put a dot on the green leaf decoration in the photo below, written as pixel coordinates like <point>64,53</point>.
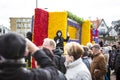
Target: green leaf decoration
<point>74,17</point>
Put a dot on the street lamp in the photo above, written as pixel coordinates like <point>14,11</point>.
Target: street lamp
<point>36,3</point>
<point>103,33</point>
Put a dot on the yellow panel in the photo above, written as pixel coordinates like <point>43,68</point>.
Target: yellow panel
<point>72,32</point>
<point>85,32</point>
<point>57,21</point>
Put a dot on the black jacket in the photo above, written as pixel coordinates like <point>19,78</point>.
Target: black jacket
<point>61,41</point>
<point>59,61</point>
<point>117,61</point>
<point>17,71</point>
<point>57,58</point>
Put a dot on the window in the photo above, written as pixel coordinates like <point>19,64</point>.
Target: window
<point>18,26</point>
<point>102,31</point>
<point>102,25</point>
<point>18,20</point>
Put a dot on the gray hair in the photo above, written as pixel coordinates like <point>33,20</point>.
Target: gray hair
<point>51,42</point>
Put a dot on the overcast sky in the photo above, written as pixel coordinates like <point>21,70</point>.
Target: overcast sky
<point>109,10</point>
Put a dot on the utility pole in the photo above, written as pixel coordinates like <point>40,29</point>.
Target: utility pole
<point>36,3</point>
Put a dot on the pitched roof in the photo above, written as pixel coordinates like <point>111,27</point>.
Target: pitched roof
<point>103,22</point>
<point>96,23</point>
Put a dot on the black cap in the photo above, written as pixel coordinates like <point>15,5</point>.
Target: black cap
<point>12,46</point>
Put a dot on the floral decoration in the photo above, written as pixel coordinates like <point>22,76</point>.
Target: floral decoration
<point>57,21</point>
<point>72,32</point>
<point>40,26</point>
<point>85,32</point>
<point>74,17</point>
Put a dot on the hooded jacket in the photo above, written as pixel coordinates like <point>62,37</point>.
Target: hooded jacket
<point>59,40</point>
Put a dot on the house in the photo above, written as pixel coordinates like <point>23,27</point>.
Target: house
<point>112,32</point>
<point>102,28</point>
<point>100,24</point>
<point>116,25</point>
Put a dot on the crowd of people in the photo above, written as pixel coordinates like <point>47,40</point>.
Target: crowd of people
<point>56,61</point>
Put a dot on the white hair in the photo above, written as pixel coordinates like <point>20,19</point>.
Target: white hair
<point>89,45</point>
<point>50,42</point>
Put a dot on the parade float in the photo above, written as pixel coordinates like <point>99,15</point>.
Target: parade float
<point>46,24</point>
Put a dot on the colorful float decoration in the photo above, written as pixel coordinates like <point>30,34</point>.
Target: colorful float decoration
<point>95,35</point>
<point>46,24</point>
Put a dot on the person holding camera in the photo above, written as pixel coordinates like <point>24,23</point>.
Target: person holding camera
<point>13,49</point>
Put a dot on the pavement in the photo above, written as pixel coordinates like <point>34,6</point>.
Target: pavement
<point>113,76</point>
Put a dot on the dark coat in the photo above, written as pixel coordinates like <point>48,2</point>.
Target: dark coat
<point>61,40</point>
<point>117,60</point>
<point>58,60</point>
<point>117,65</point>
<point>98,63</point>
<point>16,71</point>
<point>112,57</point>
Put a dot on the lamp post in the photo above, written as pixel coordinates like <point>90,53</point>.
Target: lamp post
<point>104,36</point>
<point>36,3</point>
